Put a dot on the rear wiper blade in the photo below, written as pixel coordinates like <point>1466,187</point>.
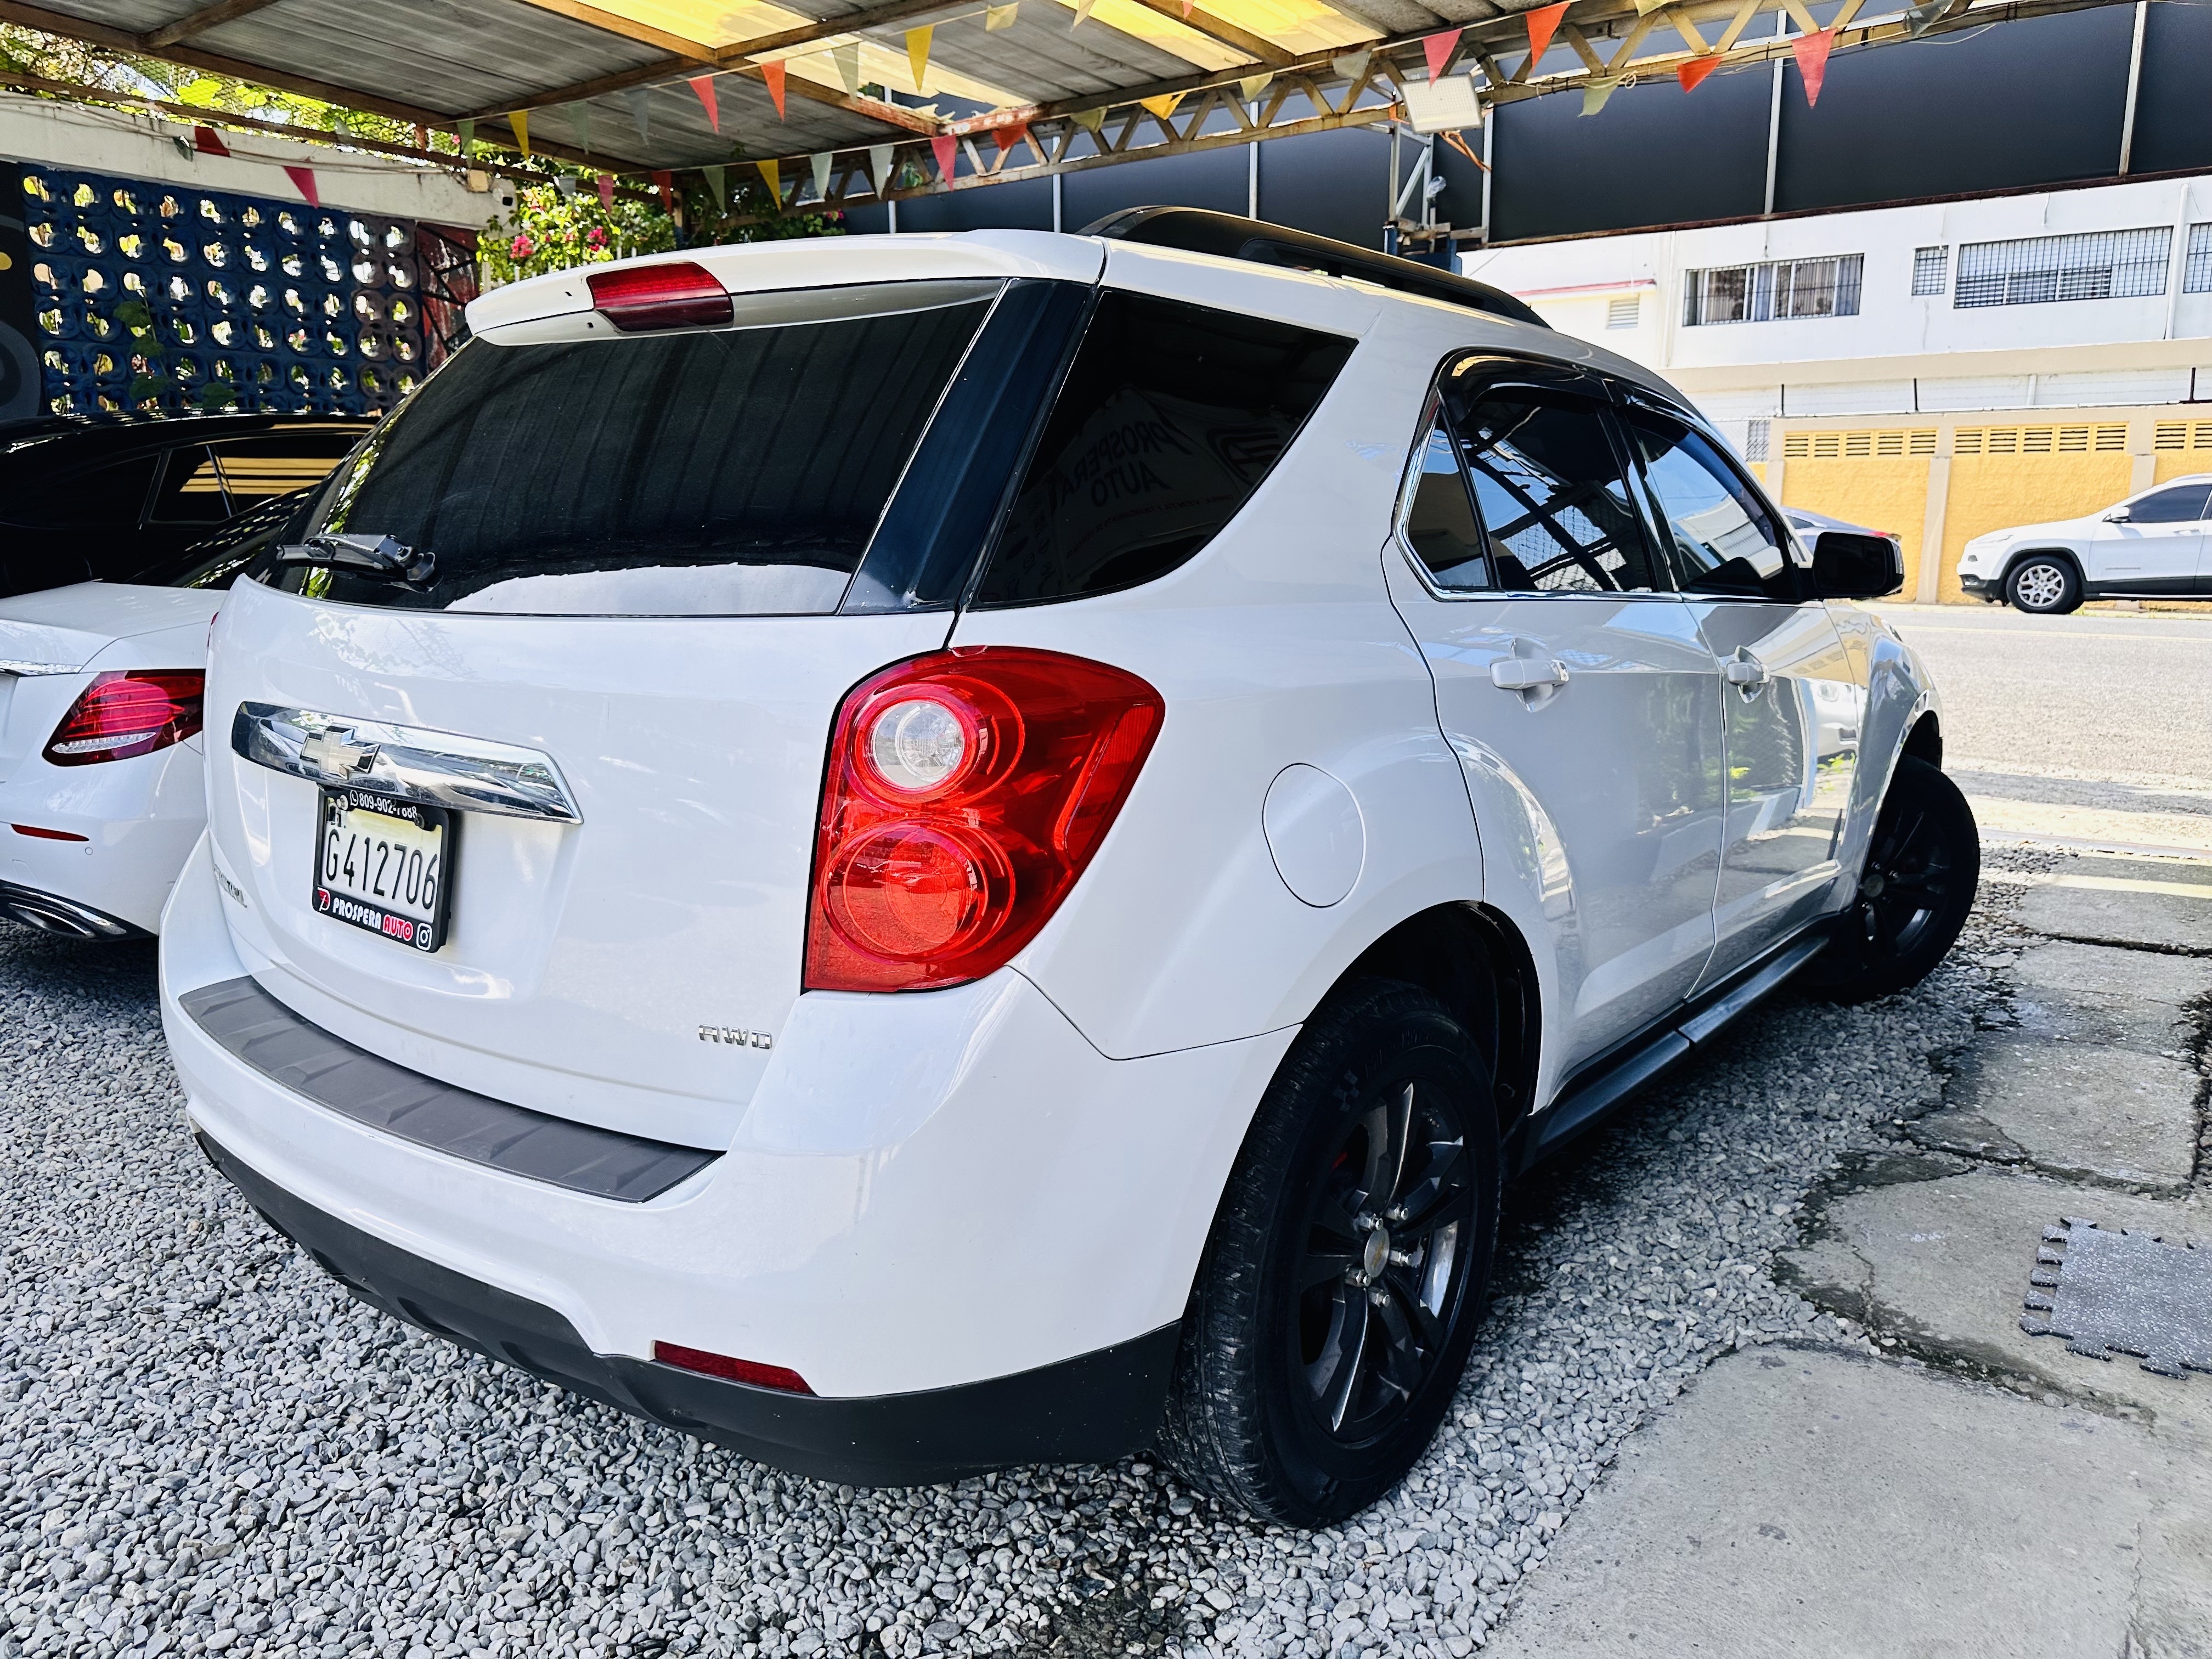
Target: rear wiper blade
<point>370,556</point>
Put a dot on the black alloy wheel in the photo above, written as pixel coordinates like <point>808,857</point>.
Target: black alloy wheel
<point>2043,584</point>
<point>1924,865</point>
<point>1340,1291</point>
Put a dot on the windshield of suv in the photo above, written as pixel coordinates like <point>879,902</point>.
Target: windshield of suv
<point>737,470</point>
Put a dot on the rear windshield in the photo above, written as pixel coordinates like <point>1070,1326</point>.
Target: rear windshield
<point>730,472</point>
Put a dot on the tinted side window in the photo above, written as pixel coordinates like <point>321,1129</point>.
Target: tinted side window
<point>1440,522</point>
<point>2183,506</point>
<point>262,469</point>
<point>108,497</point>
<point>1719,537</point>
<point>1554,496</point>
<point>190,490</point>
<point>1170,415</point>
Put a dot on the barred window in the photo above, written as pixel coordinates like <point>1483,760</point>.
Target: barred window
<point>1778,288</point>
<point>1931,267</point>
<point>1758,438</point>
<point>2196,273</point>
<point>2104,264</point>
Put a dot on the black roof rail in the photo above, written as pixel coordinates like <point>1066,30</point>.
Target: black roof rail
<point>1201,230</point>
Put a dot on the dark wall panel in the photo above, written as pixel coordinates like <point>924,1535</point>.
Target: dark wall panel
<point>1208,178</point>
<point>2173,106</point>
<point>1653,155</point>
<point>2036,101</point>
<point>1329,183</point>
<point>1023,204</point>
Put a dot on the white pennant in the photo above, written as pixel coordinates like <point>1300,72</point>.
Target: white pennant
<point>846,59</point>
<point>879,167</point>
<point>821,164</point>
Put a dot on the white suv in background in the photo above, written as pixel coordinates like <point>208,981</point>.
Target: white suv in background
<point>2154,546</point>
<point>920,854</point>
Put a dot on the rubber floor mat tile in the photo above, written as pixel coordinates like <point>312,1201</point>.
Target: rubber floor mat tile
<point>2109,1290</point>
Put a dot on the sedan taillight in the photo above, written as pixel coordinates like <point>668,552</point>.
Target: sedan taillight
<point>125,713</point>
<point>966,792</point>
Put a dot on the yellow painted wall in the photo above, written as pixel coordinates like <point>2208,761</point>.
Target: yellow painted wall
<point>2181,447</point>
<point>1882,492</point>
<point>1991,492</point>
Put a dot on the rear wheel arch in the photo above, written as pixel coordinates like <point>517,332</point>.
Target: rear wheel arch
<point>1476,963</point>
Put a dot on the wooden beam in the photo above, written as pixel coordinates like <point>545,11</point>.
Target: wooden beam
<point>797,85</point>
<point>662,68</point>
<point>1254,46</point>
<point>868,17</point>
<point>207,17</point>
<point>645,34</point>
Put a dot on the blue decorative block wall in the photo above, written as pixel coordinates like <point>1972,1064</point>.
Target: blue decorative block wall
<point>158,295</point>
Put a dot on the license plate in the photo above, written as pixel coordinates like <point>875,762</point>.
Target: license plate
<point>382,865</point>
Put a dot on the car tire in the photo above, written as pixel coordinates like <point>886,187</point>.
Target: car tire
<point>2043,584</point>
<point>1922,866</point>
<point>1302,1399</point>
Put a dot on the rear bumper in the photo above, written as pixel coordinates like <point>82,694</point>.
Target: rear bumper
<point>925,1192</point>
<point>1089,1409</point>
<point>137,821</point>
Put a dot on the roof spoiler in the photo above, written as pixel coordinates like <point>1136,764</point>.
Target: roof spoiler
<point>1200,230</point>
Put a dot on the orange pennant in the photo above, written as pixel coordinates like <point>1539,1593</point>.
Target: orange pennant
<point>1693,74</point>
<point>704,86</point>
<point>1007,136</point>
<point>1811,51</point>
<point>1542,23</point>
<point>1439,49</point>
<point>774,74</point>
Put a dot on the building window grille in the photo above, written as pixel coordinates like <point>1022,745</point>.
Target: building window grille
<point>2197,272</point>
<point>1931,267</point>
<point>1778,288</point>
<point>1758,440</point>
<point>2104,264</point>
<point>1625,312</point>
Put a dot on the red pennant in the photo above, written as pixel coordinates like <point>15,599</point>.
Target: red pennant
<point>1439,49</point>
<point>704,86</point>
<point>208,142</point>
<point>665,182</point>
<point>1007,136</point>
<point>607,191</point>
<point>304,178</point>
<point>1693,74</point>
<point>774,74</point>
<point>1811,51</point>
<point>946,148</point>
<point>1542,21</point>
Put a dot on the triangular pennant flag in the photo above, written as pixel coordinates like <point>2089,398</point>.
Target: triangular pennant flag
<point>1090,120</point>
<point>704,86</point>
<point>1643,6</point>
<point>607,192</point>
<point>521,121</point>
<point>1186,10</point>
<point>1543,23</point>
<point>718,184</point>
<point>640,113</point>
<point>663,181</point>
<point>304,178</point>
<point>1000,17</point>
<point>208,142</point>
<point>1693,74</point>
<point>1252,85</point>
<point>1352,64</point>
<point>584,126</point>
<point>1007,137</point>
<point>468,132</point>
<point>917,51</point>
<point>1811,51</point>
<point>774,74</point>
<point>1919,19</point>
<point>1439,49</point>
<point>1163,105</point>
<point>564,186</point>
<point>1595,93</point>
<point>946,148</point>
<point>1082,10</point>
<point>879,166</point>
<point>771,174</point>
<point>820,163</point>
<point>846,60</point>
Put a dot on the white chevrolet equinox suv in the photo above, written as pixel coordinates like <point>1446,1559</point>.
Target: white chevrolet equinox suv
<point>919,854</point>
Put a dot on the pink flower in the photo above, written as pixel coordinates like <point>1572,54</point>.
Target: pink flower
<point>521,248</point>
<point>595,237</point>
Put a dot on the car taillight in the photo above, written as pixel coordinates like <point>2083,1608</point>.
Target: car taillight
<point>679,294</point>
<point>125,713</point>
<point>966,792</point>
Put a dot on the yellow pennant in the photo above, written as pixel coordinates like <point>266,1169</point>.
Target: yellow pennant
<point>1252,85</point>
<point>1082,10</point>
<point>521,121</point>
<point>1163,105</point>
<point>1000,17</point>
<point>771,174</point>
<point>1643,7</point>
<point>1090,120</point>
<point>917,51</point>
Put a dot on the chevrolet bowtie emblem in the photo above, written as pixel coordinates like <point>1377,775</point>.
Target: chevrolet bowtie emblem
<point>334,751</point>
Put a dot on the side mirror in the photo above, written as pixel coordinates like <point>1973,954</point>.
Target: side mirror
<point>2118,515</point>
<point>1846,566</point>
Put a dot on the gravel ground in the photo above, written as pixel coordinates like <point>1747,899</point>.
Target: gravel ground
<point>206,1447</point>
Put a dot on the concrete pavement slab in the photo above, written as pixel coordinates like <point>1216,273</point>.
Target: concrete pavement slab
<point>2135,999</point>
<point>2164,921</point>
<point>1943,1266</point>
<point>2088,1111</point>
<point>1810,1502</point>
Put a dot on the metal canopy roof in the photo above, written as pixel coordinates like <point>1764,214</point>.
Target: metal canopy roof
<point>1010,91</point>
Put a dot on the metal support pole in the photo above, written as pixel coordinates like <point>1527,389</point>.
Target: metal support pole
<point>1055,200</point>
<point>1489,126</point>
<point>1391,198</point>
<point>1774,119</point>
<point>1252,170</point>
<point>2135,85</point>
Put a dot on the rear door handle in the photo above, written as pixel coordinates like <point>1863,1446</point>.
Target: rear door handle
<point>1527,673</point>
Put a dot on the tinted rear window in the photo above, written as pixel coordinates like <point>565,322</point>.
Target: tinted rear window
<point>737,470</point>
<point>1169,417</point>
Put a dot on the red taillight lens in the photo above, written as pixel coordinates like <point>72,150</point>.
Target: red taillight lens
<point>679,294</point>
<point>122,714</point>
<point>733,1371</point>
<point>966,792</point>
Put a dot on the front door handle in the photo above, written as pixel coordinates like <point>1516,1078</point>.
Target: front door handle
<point>1745,672</point>
<point>1527,673</point>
